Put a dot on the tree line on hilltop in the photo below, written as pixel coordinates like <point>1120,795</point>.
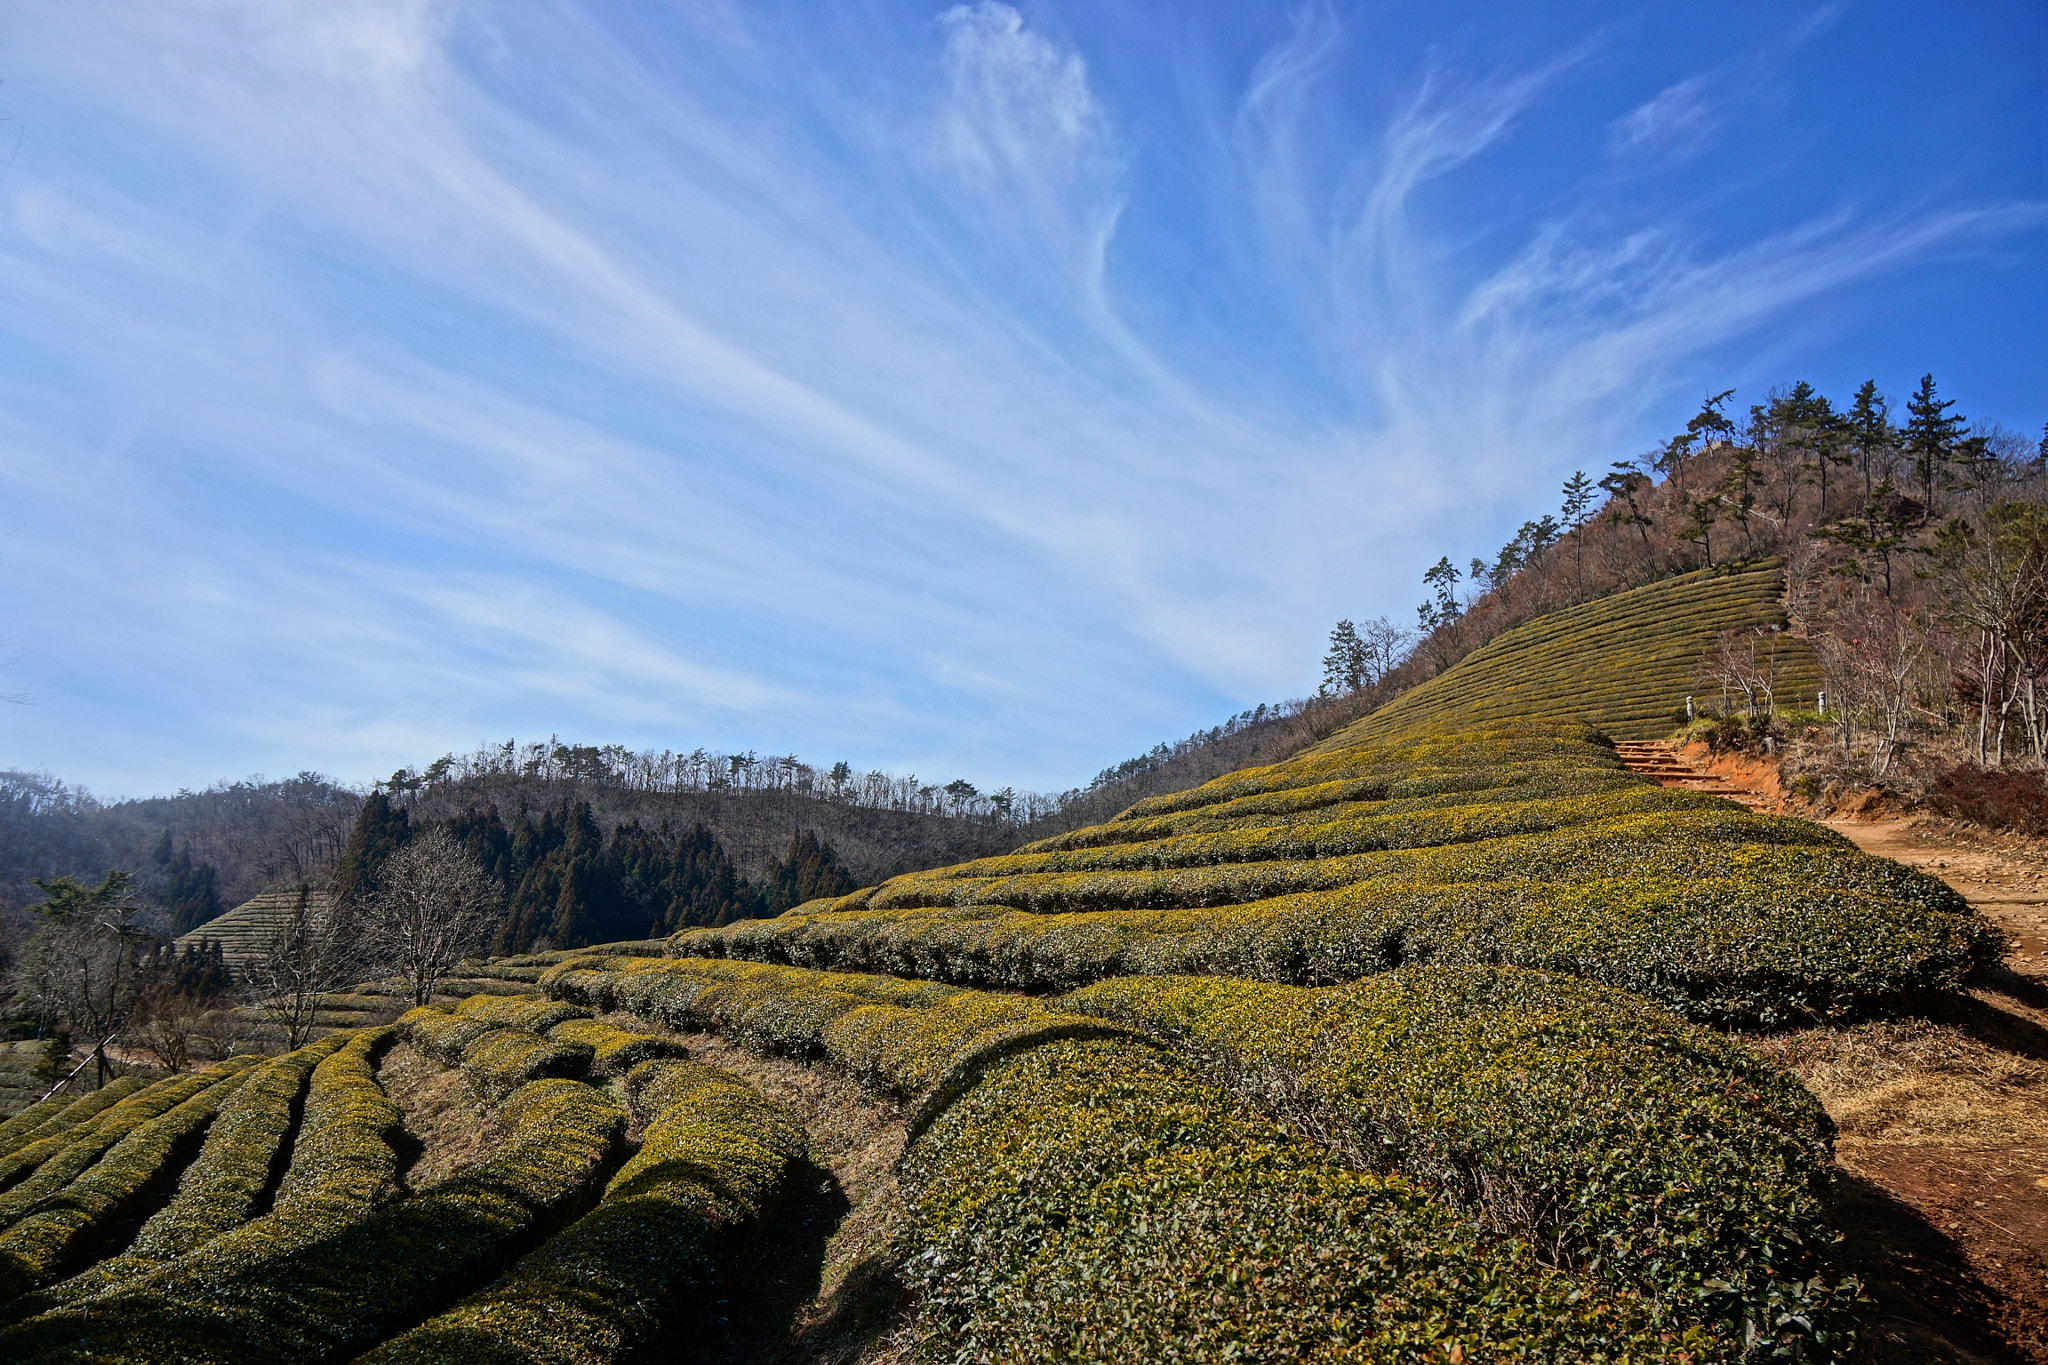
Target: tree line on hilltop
<point>1915,551</point>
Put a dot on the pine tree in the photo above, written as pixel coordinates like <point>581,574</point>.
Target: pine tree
<point>381,830</point>
<point>1344,667</point>
<point>1578,510</point>
<point>1930,437</point>
<point>1868,428</point>
<point>810,871</point>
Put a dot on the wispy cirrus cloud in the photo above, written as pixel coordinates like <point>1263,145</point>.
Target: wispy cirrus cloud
<point>935,387</point>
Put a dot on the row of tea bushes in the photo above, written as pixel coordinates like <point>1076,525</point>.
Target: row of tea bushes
<point>108,1189</point>
<point>1765,853</point>
<point>224,1186</point>
<point>900,1037</point>
<point>498,1040</point>
<point>345,1161</point>
<point>645,1261</point>
<point>59,1113</point>
<point>1659,1157</point>
<point>1098,1199</point>
<point>46,1165</point>
<point>302,1285</point>
<point>1080,1192</point>
<point>1712,949</point>
<point>615,1051</point>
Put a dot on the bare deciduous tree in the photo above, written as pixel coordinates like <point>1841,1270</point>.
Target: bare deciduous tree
<point>308,952</point>
<point>79,969</point>
<point>433,907</point>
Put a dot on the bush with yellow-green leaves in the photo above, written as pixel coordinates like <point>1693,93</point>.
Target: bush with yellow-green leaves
<point>50,1163</point>
<point>645,1262</point>
<point>1098,1199</point>
<point>1653,1155</point>
<point>900,1037</point>
<point>344,1157</point>
<point>56,1114</point>
<point>224,1186</point>
<point>64,1221</point>
<point>1723,915</point>
<point>615,1051</point>
<point>303,1285</point>
<point>499,1055</point>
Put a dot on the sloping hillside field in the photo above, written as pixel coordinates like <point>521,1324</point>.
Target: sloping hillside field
<point>1625,663</point>
<point>1396,1051</point>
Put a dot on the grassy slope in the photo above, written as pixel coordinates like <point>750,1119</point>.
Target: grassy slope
<point>1623,663</point>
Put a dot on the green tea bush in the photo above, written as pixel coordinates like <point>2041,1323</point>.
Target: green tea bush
<point>344,1160</point>
<point>532,1012</point>
<point>53,1162</point>
<point>57,1114</point>
<point>306,1285</point>
<point>1662,1158</point>
<point>900,1037</point>
<point>1099,1200</point>
<point>499,1056</point>
<point>1723,915</point>
<point>65,1221</point>
<point>224,1186</point>
<point>615,1051</point>
<point>645,1262</point>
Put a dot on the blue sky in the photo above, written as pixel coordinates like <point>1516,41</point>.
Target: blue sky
<point>969,390</point>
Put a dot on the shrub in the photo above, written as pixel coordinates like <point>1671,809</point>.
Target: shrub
<point>646,1259</point>
<point>223,1187</point>
<point>148,1153</point>
<point>307,1285</point>
<point>499,1056</point>
<point>1098,1200</point>
<point>53,1162</point>
<point>533,1012</point>
<point>902,1037</point>
<point>615,1051</point>
<point>1994,797</point>
<point>1664,1159</point>
<point>57,1114</point>
<point>344,1161</point>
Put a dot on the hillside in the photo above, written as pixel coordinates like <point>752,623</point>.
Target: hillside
<point>1623,664</point>
<point>247,929</point>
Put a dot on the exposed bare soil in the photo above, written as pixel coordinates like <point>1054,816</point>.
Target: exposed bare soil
<point>1943,1118</point>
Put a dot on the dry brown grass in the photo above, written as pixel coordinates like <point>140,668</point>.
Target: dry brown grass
<point>1909,1081</point>
<point>442,1113</point>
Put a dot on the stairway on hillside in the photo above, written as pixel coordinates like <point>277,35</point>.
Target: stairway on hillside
<point>1669,768</point>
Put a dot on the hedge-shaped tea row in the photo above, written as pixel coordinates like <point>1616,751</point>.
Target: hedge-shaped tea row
<point>1385,799</point>
<point>1662,1158</point>
<point>344,1160</point>
<point>615,1051</point>
<point>109,1188</point>
<point>1162,1167</point>
<point>497,1056</point>
<point>1624,661</point>
<point>1715,950</point>
<point>48,1164</point>
<point>224,1185</point>
<point>898,1036</point>
<point>645,1260</point>
<point>1097,1199</point>
<point>1723,843</point>
<point>54,1115</point>
<point>306,1286</point>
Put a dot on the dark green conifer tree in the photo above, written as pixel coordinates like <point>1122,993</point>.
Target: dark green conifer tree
<point>809,871</point>
<point>381,830</point>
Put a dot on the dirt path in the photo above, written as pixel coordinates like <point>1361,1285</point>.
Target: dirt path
<point>1943,1117</point>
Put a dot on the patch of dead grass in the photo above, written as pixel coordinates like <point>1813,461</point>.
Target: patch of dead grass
<point>442,1113</point>
<point>1915,1081</point>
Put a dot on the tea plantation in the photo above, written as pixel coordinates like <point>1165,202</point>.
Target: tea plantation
<point>1625,663</point>
<point>1405,1049</point>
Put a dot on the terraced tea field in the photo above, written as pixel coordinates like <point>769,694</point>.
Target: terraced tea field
<point>1624,663</point>
<point>246,930</point>
<point>1390,1052</point>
